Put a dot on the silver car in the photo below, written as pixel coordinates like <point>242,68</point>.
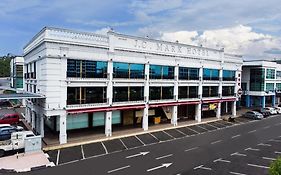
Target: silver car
<point>253,115</point>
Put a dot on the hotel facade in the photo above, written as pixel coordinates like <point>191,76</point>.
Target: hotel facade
<point>114,81</point>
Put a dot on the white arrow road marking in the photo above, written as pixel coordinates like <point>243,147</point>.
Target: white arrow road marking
<point>264,144</point>
<point>139,154</point>
<point>221,160</point>
<point>238,154</point>
<point>117,169</point>
<point>202,167</point>
<point>166,165</point>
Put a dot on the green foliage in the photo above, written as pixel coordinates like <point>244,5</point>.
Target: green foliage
<point>275,167</point>
<point>5,66</point>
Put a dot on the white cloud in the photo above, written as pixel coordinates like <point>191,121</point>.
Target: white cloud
<point>238,39</point>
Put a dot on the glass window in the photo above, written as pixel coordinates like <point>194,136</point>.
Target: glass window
<point>210,91</point>
<point>86,95</point>
<point>95,94</point>
<point>278,86</point>
<point>183,92</point>
<point>188,73</point>
<point>154,93</point>
<point>120,94</point>
<point>228,91</point>
<point>210,74</point>
<point>244,86</point>
<point>193,92</point>
<point>257,79</point>
<point>270,73</point>
<point>86,69</point>
<point>136,70</point>
<point>161,72</point>
<point>136,93</point>
<point>120,70</point>
<point>168,92</point>
<point>278,74</point>
<point>188,92</point>
<point>228,75</point>
<point>269,87</point>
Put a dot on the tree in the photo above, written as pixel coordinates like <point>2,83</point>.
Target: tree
<point>5,66</point>
<point>275,167</point>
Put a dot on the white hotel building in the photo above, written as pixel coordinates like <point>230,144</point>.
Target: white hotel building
<point>95,81</point>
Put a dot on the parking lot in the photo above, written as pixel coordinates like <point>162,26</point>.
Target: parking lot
<point>72,154</point>
<point>251,160</point>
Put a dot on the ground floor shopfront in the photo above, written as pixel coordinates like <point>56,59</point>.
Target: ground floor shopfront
<point>259,101</point>
<point>143,116</point>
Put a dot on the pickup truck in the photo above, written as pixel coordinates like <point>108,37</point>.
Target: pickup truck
<point>15,143</point>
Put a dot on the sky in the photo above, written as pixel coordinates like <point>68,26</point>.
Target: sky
<point>251,28</point>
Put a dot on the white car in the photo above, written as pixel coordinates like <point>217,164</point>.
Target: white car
<point>272,111</point>
<point>278,109</point>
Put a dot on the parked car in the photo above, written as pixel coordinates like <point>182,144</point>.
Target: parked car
<point>6,131</point>
<point>13,118</point>
<point>265,113</point>
<point>253,115</point>
<point>272,111</point>
<point>278,109</point>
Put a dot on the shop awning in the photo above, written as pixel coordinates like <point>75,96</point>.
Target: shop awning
<point>19,96</point>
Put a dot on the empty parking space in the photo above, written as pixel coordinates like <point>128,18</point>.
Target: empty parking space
<point>197,129</point>
<point>114,145</point>
<point>226,123</point>
<point>175,133</point>
<point>70,154</point>
<point>162,136</point>
<point>53,156</point>
<point>93,149</point>
<point>242,120</point>
<point>147,139</point>
<point>187,131</point>
<point>216,124</point>
<point>131,142</point>
<point>208,127</point>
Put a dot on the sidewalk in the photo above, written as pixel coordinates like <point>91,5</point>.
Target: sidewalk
<point>24,162</point>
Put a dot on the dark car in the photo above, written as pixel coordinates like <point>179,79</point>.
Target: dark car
<point>6,131</point>
<point>253,115</point>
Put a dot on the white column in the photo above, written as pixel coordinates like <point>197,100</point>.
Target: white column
<point>220,83</point>
<point>200,87</point>
<point>146,98</point>
<point>233,108</point>
<point>108,124</point>
<point>108,115</point>
<point>33,119</point>
<point>63,135</point>
<point>145,118</point>
<point>198,112</point>
<point>42,133</point>
<point>218,113</point>
<point>174,120</point>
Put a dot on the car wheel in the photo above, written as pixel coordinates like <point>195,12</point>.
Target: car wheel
<point>2,153</point>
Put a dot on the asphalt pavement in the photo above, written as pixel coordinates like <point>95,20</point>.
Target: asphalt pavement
<point>244,148</point>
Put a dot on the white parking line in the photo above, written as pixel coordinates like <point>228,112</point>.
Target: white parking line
<point>235,136</point>
<point>277,152</point>
<point>231,172</point>
<point>258,166</point>
<point>162,157</point>
<point>180,132</point>
<point>123,144</point>
<point>190,149</point>
<point>139,140</point>
<point>169,134</point>
<point>277,124</point>
<point>58,157</point>
<point>266,127</point>
<point>268,158</point>
<point>218,141</point>
<point>82,151</point>
<point>273,140</point>
<point>192,130</point>
<point>212,125</point>
<point>203,128</point>
<point>264,144</point>
<point>154,136</point>
<point>252,131</point>
<point>104,148</point>
<point>252,149</point>
<point>221,160</point>
<point>117,169</point>
<point>238,154</point>
<point>202,167</point>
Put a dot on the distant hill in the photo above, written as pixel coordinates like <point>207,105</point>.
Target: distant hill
<point>5,66</point>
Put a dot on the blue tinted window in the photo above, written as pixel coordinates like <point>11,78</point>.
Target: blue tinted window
<point>136,70</point>
<point>120,70</point>
<point>155,72</point>
<point>210,74</point>
<point>188,73</point>
<point>228,75</point>
<point>167,72</point>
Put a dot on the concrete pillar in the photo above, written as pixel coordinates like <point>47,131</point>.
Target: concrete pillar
<point>220,83</point>
<point>145,118</point>
<point>63,134</point>
<point>146,98</point>
<point>263,101</point>
<point>33,119</point>
<point>226,107</point>
<point>273,100</point>
<point>42,133</point>
<point>233,108</point>
<point>218,113</point>
<point>174,120</point>
<point>200,88</point>
<point>108,124</point>
<point>248,101</point>
<point>198,112</point>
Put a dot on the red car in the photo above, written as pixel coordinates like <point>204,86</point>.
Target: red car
<point>10,119</point>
